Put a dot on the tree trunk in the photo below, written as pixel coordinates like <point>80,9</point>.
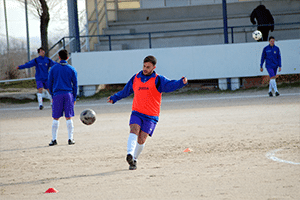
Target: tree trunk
<point>44,19</point>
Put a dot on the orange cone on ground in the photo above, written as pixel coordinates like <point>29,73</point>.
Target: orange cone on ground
<point>187,150</point>
<point>51,190</point>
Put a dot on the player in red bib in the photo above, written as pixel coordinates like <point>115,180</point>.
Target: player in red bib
<point>147,87</point>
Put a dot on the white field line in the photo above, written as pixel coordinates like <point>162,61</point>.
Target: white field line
<point>79,104</point>
<point>271,155</point>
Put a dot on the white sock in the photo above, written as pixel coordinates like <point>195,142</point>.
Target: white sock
<point>55,125</point>
<point>270,85</point>
<point>131,144</point>
<point>274,85</point>
<point>138,150</point>
<point>40,99</point>
<point>70,128</point>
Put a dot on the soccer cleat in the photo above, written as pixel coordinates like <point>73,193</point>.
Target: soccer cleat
<point>277,94</point>
<point>270,94</point>
<point>53,142</point>
<point>131,162</point>
<point>70,142</point>
<point>41,107</point>
<point>133,166</point>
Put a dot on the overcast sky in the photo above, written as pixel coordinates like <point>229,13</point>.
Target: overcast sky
<point>17,22</point>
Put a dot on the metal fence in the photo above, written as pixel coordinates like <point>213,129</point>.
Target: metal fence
<point>151,34</point>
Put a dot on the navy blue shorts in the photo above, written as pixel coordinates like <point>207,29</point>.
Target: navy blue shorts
<point>41,84</point>
<point>63,103</point>
<point>146,126</point>
<point>272,72</point>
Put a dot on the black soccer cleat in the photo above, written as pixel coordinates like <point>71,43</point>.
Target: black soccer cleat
<point>133,166</point>
<point>70,142</point>
<point>41,107</point>
<point>52,143</point>
<point>270,94</point>
<point>131,162</point>
<point>277,94</point>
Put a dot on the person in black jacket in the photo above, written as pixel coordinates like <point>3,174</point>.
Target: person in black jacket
<point>263,17</point>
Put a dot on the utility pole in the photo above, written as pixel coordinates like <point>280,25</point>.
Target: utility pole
<point>27,33</point>
<point>7,39</point>
<point>73,26</point>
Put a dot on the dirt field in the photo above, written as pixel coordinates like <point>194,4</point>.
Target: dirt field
<point>244,145</point>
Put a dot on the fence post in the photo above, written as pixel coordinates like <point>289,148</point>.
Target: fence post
<point>232,35</point>
<point>150,45</point>
<point>64,43</point>
<point>109,42</point>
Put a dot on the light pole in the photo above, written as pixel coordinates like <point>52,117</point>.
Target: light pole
<point>73,25</point>
<point>7,39</point>
<point>27,33</point>
<point>225,22</point>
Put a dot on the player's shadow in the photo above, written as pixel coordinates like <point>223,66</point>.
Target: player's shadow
<point>43,181</point>
<point>23,149</point>
<point>29,148</point>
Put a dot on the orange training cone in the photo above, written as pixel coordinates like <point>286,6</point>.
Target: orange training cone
<point>51,190</point>
<point>187,150</point>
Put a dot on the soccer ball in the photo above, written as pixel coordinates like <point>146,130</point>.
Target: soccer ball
<point>88,116</point>
<point>257,35</point>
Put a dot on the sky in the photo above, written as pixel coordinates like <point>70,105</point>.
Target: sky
<point>16,20</point>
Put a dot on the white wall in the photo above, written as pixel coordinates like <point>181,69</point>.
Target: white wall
<point>198,62</point>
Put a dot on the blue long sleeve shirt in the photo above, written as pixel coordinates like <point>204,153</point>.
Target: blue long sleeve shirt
<point>42,66</point>
<point>162,83</point>
<point>272,57</point>
<point>63,79</point>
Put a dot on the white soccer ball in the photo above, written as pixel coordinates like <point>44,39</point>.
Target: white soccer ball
<point>257,35</point>
<point>88,116</point>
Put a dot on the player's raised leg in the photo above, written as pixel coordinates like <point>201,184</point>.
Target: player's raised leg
<point>40,86</point>
<point>140,144</point>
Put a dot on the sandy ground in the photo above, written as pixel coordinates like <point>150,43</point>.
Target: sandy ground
<point>244,145</point>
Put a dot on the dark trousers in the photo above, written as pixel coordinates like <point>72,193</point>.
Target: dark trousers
<point>265,32</point>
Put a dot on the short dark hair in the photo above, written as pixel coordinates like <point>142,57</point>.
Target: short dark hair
<point>39,49</point>
<point>271,37</point>
<point>63,54</point>
<point>151,59</point>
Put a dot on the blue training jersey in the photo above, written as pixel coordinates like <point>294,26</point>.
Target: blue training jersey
<point>63,79</point>
<point>272,57</point>
<point>162,83</point>
<point>42,66</point>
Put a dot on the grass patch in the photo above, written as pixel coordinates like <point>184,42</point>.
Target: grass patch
<point>15,101</point>
<point>19,84</point>
<point>292,85</point>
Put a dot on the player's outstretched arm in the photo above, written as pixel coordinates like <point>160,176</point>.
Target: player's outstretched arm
<point>127,91</point>
<point>167,85</point>
<point>29,64</point>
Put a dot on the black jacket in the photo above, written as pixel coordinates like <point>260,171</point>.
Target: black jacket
<point>262,16</point>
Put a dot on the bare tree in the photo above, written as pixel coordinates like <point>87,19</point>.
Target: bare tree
<point>40,8</point>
